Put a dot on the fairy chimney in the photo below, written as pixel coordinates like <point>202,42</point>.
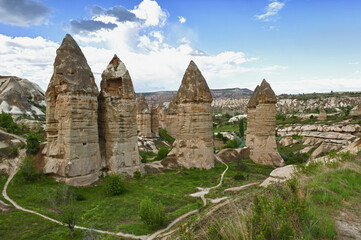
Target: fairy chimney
<point>263,149</point>
<point>143,117</point>
<point>117,117</point>
<point>193,146</point>
<point>72,152</point>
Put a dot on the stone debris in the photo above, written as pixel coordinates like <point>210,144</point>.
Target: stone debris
<point>144,121</point>
<point>72,152</point>
<point>193,146</point>
<point>117,117</point>
<point>280,174</point>
<point>262,119</point>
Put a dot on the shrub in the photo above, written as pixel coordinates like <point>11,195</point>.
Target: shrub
<point>241,128</point>
<point>113,185</point>
<point>27,169</point>
<point>221,137</point>
<point>239,176</point>
<point>7,122</point>
<point>231,144</point>
<point>137,174</point>
<point>162,153</point>
<point>145,156</point>
<point>32,143</point>
<point>152,214</point>
<point>163,135</point>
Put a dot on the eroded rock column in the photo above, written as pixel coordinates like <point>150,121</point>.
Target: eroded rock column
<point>117,120</point>
<point>154,121</point>
<point>171,118</point>
<point>193,146</point>
<point>251,119</point>
<point>143,117</point>
<point>264,147</point>
<point>72,153</point>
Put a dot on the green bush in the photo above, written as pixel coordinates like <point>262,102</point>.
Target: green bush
<point>239,176</point>
<point>241,128</point>
<point>162,153</point>
<point>152,214</point>
<point>221,137</point>
<point>32,143</point>
<point>137,174</point>
<point>27,169</point>
<point>7,122</point>
<point>114,185</point>
<point>164,136</point>
<point>231,144</point>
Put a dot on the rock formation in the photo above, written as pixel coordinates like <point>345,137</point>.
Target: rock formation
<point>264,147</point>
<point>72,152</point>
<point>161,115</point>
<point>356,111</point>
<point>154,121</point>
<point>117,117</point>
<point>251,118</point>
<point>193,146</point>
<point>322,116</point>
<point>20,96</point>
<point>143,117</point>
<point>171,118</point>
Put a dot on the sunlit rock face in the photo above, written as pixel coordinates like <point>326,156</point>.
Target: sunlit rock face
<point>263,146</point>
<point>117,120</point>
<point>154,121</point>
<point>323,115</point>
<point>171,118</point>
<point>251,118</point>
<point>144,118</point>
<point>193,146</point>
<point>72,153</point>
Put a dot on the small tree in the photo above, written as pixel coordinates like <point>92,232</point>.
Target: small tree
<point>64,202</point>
<point>162,153</point>
<point>113,185</point>
<point>32,143</point>
<point>241,128</point>
<point>27,169</point>
<point>152,214</point>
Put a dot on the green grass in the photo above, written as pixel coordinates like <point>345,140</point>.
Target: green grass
<point>227,128</point>
<point>120,213</point>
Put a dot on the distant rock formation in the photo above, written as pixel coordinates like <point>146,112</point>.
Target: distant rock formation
<point>171,118</point>
<point>72,152</point>
<point>161,115</point>
<point>193,146</point>
<point>143,117</point>
<point>20,96</point>
<point>356,111</point>
<point>154,121</point>
<point>323,115</point>
<point>263,146</point>
<point>117,120</point>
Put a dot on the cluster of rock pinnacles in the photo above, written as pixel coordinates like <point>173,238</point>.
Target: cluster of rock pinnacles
<point>90,132</point>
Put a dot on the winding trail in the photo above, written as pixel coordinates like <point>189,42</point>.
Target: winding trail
<point>13,135</point>
<point>201,194</point>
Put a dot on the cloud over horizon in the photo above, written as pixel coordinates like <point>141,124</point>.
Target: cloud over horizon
<point>23,12</point>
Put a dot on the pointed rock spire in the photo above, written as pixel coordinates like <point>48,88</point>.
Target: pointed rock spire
<point>194,87</point>
<point>71,70</point>
<point>252,103</point>
<point>265,93</point>
<point>142,105</point>
<point>116,80</point>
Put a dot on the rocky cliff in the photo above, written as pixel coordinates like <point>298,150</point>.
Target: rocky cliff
<point>20,96</point>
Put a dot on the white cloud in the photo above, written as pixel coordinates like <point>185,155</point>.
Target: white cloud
<point>271,11</point>
<point>153,63</point>
<point>182,19</point>
<point>354,63</point>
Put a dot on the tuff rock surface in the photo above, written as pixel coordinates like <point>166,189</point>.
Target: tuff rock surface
<point>72,152</point>
<point>193,146</point>
<point>144,121</point>
<point>154,121</point>
<point>262,143</point>
<point>171,118</point>
<point>117,117</point>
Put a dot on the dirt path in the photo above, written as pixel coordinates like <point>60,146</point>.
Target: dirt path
<point>13,135</point>
<point>201,194</point>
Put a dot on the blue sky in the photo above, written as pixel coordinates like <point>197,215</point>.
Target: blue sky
<point>297,45</point>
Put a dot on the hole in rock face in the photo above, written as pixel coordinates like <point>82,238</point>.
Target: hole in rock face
<point>84,144</point>
<point>114,86</point>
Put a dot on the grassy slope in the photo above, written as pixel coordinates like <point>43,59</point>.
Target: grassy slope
<point>120,213</point>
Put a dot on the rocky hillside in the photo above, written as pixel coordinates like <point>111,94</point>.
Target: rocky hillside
<point>20,96</point>
<point>217,94</point>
